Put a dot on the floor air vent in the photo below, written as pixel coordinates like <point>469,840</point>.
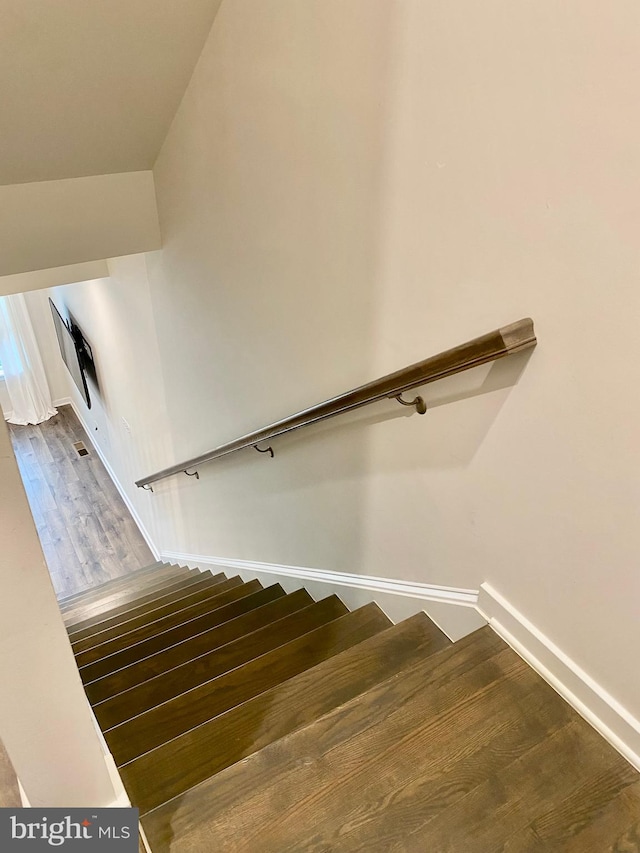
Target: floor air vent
<point>80,448</point>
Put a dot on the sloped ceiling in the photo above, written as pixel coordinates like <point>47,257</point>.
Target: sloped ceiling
<point>90,87</point>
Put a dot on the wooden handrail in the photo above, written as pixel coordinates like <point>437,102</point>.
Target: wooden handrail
<point>505,341</point>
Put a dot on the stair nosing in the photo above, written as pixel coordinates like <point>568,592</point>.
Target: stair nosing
<point>186,639</point>
<point>177,625</point>
<point>94,592</point>
<point>187,588</point>
<point>169,582</point>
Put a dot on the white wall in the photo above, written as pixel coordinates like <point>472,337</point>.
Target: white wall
<point>58,223</point>
<point>348,188</point>
<point>45,720</point>
<point>127,419</point>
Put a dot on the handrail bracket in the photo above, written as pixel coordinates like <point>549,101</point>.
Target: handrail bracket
<point>418,402</point>
<point>264,450</point>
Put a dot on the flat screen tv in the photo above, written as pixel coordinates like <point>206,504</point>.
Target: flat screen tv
<point>74,351</point>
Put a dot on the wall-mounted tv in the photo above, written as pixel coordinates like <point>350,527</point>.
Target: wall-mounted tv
<point>75,351</point>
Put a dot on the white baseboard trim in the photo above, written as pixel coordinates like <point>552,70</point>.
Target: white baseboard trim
<point>399,599</point>
<point>64,401</point>
<point>422,591</point>
<point>121,798</point>
<point>607,716</point>
<point>134,513</point>
<point>123,802</point>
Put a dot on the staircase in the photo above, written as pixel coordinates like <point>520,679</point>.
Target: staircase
<point>244,718</point>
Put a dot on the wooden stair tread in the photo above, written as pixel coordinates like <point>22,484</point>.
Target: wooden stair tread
<point>243,718</point>
<point>618,822</point>
<point>523,763</point>
<point>292,704</point>
<point>119,591</point>
<point>132,577</point>
<point>96,613</point>
<point>168,596</point>
<point>163,687</point>
<point>232,592</point>
<point>257,677</point>
<point>376,724</point>
<point>150,622</point>
<point>207,623</point>
<point>398,771</point>
<point>100,599</point>
<point>563,782</point>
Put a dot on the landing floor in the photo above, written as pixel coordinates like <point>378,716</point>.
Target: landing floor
<point>87,533</point>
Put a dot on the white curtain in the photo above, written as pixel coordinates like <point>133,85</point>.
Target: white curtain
<point>20,358</point>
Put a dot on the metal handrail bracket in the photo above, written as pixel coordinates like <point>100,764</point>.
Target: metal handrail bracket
<point>494,345</point>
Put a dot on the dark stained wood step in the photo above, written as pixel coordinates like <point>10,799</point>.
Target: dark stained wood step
<point>100,600</point>
<point>131,599</point>
<point>501,803</point>
<point>160,689</point>
<point>425,765</point>
<point>618,821</point>
<point>274,624</point>
<point>231,591</point>
<point>547,804</point>
<point>230,690</point>
<point>196,809</point>
<point>409,712</point>
<point>503,765</point>
<point>138,576</point>
<point>309,678</point>
<point>170,596</point>
<point>255,618</point>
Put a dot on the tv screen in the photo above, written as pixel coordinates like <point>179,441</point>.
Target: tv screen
<point>72,351</point>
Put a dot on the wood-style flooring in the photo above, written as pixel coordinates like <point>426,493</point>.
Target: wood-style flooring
<point>87,533</point>
<point>467,751</point>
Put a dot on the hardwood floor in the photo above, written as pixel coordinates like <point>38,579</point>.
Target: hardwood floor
<point>469,751</point>
<point>87,533</point>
